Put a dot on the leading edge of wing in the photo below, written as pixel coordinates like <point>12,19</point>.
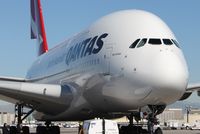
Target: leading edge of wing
<point>26,92</point>
<point>193,87</point>
<point>37,95</point>
<point>14,79</point>
<point>189,90</point>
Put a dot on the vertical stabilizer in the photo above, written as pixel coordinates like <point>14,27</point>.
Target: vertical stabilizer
<point>37,26</point>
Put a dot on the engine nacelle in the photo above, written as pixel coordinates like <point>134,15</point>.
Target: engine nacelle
<point>187,95</point>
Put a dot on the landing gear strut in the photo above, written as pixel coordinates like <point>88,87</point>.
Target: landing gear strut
<point>149,112</point>
<point>130,118</point>
<point>152,120</point>
<point>131,128</point>
<point>18,114</point>
<point>48,123</point>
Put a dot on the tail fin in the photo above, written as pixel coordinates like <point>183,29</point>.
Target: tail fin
<point>37,26</point>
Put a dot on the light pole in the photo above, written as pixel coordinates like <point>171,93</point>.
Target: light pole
<point>188,109</point>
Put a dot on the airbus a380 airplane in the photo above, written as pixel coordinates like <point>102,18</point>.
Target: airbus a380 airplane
<point>125,63</point>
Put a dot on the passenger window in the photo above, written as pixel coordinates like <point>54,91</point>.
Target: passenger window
<point>142,42</point>
<point>167,42</point>
<point>155,41</point>
<point>176,43</point>
<point>134,43</point>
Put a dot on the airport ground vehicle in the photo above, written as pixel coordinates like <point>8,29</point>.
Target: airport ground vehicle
<point>195,125</point>
<point>100,126</point>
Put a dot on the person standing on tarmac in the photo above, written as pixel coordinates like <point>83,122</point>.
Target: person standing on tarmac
<point>80,129</point>
<point>6,129</point>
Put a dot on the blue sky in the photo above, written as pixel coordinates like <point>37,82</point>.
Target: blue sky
<point>64,18</point>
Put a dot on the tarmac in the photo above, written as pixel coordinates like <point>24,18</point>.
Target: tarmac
<point>181,131</point>
<point>75,131</point>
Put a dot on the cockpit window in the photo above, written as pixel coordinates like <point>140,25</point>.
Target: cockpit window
<point>176,43</point>
<point>155,41</point>
<point>142,42</point>
<point>134,43</point>
<point>167,42</point>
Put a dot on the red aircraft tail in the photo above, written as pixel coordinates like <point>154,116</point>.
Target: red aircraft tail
<point>37,26</point>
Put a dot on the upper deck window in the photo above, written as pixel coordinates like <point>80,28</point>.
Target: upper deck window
<point>134,43</point>
<point>176,43</point>
<point>155,41</point>
<point>167,42</point>
<point>142,42</point>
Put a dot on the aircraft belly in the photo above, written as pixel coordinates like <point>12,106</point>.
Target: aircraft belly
<point>79,110</point>
<point>105,94</point>
<point>101,94</point>
<point>8,99</point>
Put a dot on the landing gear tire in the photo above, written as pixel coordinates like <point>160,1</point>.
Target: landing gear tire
<point>41,130</point>
<point>54,130</point>
<point>25,130</point>
<point>13,130</point>
<point>158,131</point>
<point>132,130</point>
<point>48,130</point>
<point>150,127</point>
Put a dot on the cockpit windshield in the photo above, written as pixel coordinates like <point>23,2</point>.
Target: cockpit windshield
<point>176,43</point>
<point>133,45</point>
<point>167,42</point>
<point>142,42</point>
<point>153,41</point>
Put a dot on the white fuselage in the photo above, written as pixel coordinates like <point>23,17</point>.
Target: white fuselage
<point>107,75</point>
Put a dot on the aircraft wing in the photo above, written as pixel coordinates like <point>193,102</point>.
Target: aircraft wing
<point>41,97</point>
<point>190,89</point>
<point>193,87</point>
<point>2,78</point>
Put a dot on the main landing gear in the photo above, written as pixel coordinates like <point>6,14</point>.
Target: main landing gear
<point>132,128</point>
<point>152,122</point>
<point>20,115</point>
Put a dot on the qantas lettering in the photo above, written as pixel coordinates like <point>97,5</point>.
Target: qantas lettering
<point>87,47</point>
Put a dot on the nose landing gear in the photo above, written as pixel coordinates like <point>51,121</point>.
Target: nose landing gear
<point>152,120</point>
<point>151,127</point>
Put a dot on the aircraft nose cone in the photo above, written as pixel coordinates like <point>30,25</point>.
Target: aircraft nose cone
<point>171,71</point>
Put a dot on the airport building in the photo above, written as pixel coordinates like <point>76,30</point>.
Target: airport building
<point>171,114</point>
<point>193,116</point>
<point>179,115</point>
<point>6,117</point>
<point>9,118</point>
